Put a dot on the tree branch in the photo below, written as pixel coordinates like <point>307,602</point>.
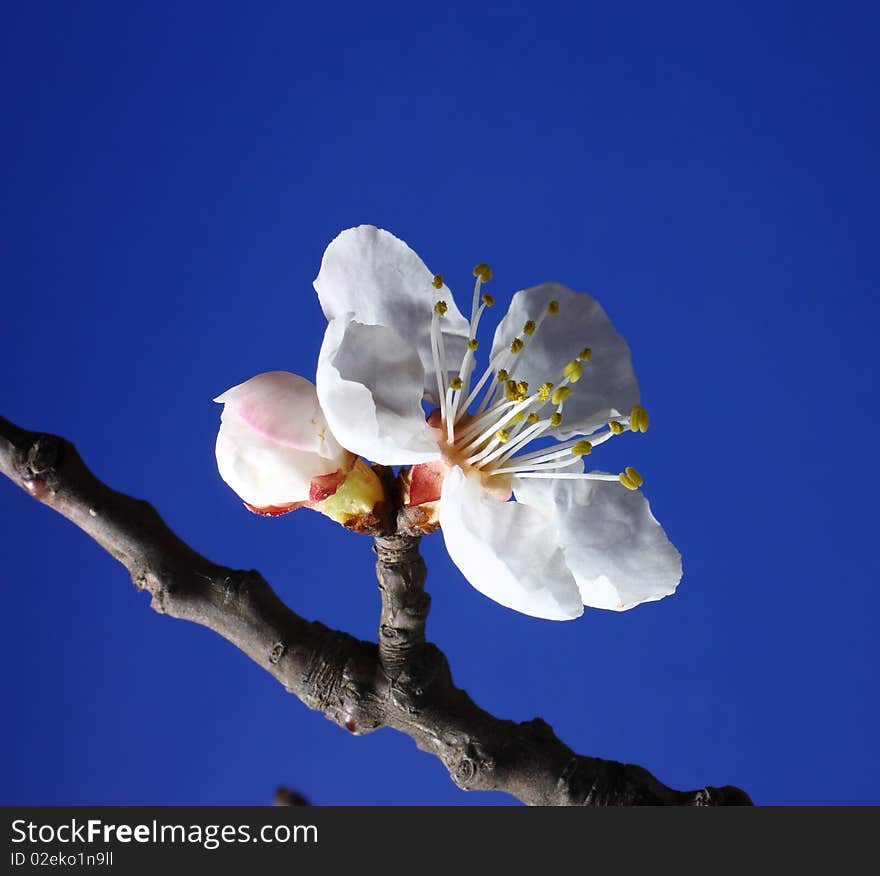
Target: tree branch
<point>404,682</point>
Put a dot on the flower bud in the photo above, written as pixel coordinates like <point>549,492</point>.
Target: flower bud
<point>274,447</point>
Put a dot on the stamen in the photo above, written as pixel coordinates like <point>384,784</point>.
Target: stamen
<point>638,419</point>
<point>489,397</point>
<point>512,408</point>
<point>483,271</point>
<point>450,424</point>
<point>527,436</point>
<point>530,327</point>
<point>630,478</point>
<point>517,345</point>
<point>490,368</point>
<point>467,363</point>
<point>507,420</point>
<point>585,476</point>
<point>549,466</point>
<point>481,424</point>
<point>560,395</point>
<point>634,476</point>
<point>439,371</point>
<point>557,451</point>
<point>573,371</point>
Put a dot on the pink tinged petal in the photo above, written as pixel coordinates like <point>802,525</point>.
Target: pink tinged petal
<point>370,387</point>
<point>264,455</point>
<point>274,510</point>
<point>618,552</point>
<point>608,386</point>
<point>506,550</point>
<point>283,408</point>
<point>377,279</point>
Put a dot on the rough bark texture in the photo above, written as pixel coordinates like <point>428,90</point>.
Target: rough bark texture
<point>403,682</point>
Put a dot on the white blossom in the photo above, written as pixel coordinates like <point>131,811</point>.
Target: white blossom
<point>557,370</point>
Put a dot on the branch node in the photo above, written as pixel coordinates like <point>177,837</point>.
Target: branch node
<point>471,766</point>
<point>43,454</point>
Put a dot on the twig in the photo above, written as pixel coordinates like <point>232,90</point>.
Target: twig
<point>404,682</point>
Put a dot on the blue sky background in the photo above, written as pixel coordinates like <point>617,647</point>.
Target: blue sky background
<point>171,176</point>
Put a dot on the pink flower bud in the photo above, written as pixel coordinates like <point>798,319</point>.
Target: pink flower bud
<point>274,447</point>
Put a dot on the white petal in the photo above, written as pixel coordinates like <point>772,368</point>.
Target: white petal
<point>263,472</point>
<point>370,386</point>
<point>377,279</point>
<point>506,550</point>
<point>283,408</point>
<point>608,386</point>
<point>618,552</point>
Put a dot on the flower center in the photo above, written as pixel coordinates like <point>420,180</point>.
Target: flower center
<point>490,437</point>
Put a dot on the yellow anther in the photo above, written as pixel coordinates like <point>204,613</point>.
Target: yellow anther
<point>638,419</point>
<point>502,375</point>
<point>560,395</point>
<point>437,282</point>
<point>573,370</point>
<point>483,271</point>
<point>502,435</point>
<point>634,476</point>
<point>544,391</point>
<point>488,299</point>
<point>623,477</point>
<point>440,308</point>
<point>582,448</point>
<point>473,343</point>
<point>532,418</point>
<point>519,417</point>
<point>516,345</point>
<point>529,327</point>
<point>556,420</point>
<point>615,427</point>
<point>522,388</point>
<point>585,355</point>
<point>553,308</point>
<point>455,383</point>
<point>510,391</point>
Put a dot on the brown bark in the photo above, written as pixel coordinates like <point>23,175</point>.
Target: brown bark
<point>404,682</point>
